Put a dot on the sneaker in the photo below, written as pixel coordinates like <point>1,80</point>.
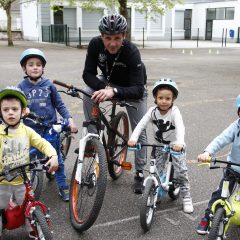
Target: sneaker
<point>202,228</point>
<point>33,235</point>
<point>187,205</point>
<point>64,193</point>
<point>138,185</point>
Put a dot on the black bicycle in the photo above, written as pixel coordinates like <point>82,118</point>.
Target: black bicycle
<point>108,151</point>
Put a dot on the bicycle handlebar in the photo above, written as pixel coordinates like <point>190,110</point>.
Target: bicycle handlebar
<point>164,148</point>
<point>73,89</point>
<point>6,172</point>
<point>214,161</point>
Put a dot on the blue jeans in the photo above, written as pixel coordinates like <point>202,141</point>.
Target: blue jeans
<point>55,142</point>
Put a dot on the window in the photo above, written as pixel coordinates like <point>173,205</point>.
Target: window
<point>229,13</point>
<point>220,13</point>
<point>140,20</point>
<point>179,19</point>
<point>156,22</point>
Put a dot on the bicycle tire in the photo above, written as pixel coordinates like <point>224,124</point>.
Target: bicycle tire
<point>217,227</point>
<point>37,179</point>
<point>41,225</point>
<point>86,198</point>
<point>174,189</point>
<point>65,142</point>
<point>119,122</point>
<point>147,208</point>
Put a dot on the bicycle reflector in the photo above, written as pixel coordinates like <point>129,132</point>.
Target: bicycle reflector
<point>95,111</point>
<point>126,166</point>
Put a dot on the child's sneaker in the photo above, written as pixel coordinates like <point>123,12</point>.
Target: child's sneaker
<point>138,185</point>
<point>64,193</point>
<point>187,205</point>
<point>202,228</point>
<point>32,235</point>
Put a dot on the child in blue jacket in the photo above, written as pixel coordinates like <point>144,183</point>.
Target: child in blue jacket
<point>44,100</point>
<point>231,135</point>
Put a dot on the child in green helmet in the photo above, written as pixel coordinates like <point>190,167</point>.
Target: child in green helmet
<point>15,142</point>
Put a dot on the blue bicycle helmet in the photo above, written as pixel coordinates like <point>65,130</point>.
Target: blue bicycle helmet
<point>237,102</point>
<point>32,52</point>
<point>112,24</point>
<point>165,82</point>
<point>15,92</point>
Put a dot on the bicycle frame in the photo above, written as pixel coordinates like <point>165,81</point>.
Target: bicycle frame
<point>229,202</point>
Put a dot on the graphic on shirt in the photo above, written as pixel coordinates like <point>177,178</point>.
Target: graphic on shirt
<point>162,128</point>
<point>15,152</point>
<point>102,57</point>
<point>38,96</point>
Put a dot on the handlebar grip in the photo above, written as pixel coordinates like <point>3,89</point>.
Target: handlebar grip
<point>62,84</point>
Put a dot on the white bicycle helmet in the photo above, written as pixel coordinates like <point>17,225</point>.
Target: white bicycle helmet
<point>163,82</point>
<point>112,24</point>
<point>32,52</point>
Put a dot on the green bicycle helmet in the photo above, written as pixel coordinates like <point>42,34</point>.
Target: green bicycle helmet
<point>15,92</point>
<point>32,52</point>
<point>165,82</point>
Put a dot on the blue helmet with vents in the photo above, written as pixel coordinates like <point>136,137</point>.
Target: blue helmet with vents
<point>237,102</point>
<point>31,53</point>
<point>165,82</point>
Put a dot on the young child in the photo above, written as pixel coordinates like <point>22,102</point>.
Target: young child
<point>44,100</point>
<point>229,136</point>
<point>15,142</point>
<point>169,129</point>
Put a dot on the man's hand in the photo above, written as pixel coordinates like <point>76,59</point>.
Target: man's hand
<point>132,143</point>
<point>103,95</point>
<point>52,163</point>
<point>72,126</point>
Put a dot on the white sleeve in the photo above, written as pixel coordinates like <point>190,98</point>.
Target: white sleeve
<point>141,125</point>
<point>179,126</point>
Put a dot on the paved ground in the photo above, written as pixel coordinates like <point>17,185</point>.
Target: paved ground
<point>208,83</point>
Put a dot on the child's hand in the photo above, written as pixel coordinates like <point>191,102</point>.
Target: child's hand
<point>204,157</point>
<point>72,126</point>
<point>177,147</point>
<point>132,143</point>
<point>52,163</point>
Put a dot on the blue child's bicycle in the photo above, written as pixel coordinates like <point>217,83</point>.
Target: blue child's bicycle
<point>157,186</point>
<point>61,127</point>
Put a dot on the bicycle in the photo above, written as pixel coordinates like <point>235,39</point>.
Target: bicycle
<point>34,211</point>
<point>61,127</point>
<point>89,177</point>
<point>156,186</point>
<point>226,210</point>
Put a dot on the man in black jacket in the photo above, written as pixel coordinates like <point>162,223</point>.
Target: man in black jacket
<point>123,77</point>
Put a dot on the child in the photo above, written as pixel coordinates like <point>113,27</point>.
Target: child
<point>44,100</point>
<point>229,135</point>
<point>15,142</point>
<point>168,129</point>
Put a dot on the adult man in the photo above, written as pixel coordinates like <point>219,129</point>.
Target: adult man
<point>123,77</point>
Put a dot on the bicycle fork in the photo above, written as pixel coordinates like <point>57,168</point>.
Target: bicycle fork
<point>82,144</point>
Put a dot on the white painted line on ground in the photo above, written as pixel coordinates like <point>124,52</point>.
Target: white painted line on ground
<point>137,217</point>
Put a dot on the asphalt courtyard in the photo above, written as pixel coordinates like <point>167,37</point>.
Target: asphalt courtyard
<point>208,80</point>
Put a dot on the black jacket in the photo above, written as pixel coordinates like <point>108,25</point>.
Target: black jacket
<point>128,73</point>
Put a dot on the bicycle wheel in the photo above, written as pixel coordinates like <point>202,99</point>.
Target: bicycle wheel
<point>117,145</point>
<point>174,189</point>
<point>87,197</point>
<point>41,225</point>
<point>37,183</point>
<point>65,141</point>
<point>217,228</point>
<point>147,207</point>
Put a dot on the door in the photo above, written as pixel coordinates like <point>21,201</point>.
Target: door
<point>209,24</point>
<point>187,28</point>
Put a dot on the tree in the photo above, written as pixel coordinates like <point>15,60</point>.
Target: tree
<point>155,6</point>
<point>6,5</point>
